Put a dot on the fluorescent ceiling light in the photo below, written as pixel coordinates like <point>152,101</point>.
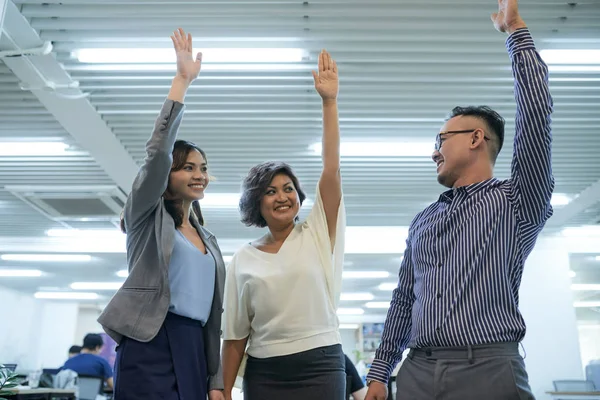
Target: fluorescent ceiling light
<point>365,274</point>
<point>572,274</point>
<point>356,296</point>
<point>123,273</point>
<point>350,311</point>
<point>582,304</point>
<point>211,55</point>
<point>559,199</point>
<point>378,304</point>
<point>95,233</point>
<point>66,295</point>
<point>20,273</point>
<point>205,67</point>
<point>570,56</point>
<point>582,231</point>
<point>96,285</point>
<point>375,239</point>
<point>388,286</point>
<point>11,149</point>
<point>573,68</point>
<point>348,326</point>
<point>46,257</point>
<point>584,286</point>
<point>597,258</point>
<point>381,149</point>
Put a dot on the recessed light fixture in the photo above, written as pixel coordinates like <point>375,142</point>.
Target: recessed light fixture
<point>381,149</point>
<point>365,274</point>
<point>356,296</point>
<point>47,257</point>
<point>209,55</point>
<point>24,149</point>
<point>378,304</point>
<point>350,311</point>
<point>20,273</point>
<point>96,285</point>
<point>66,295</point>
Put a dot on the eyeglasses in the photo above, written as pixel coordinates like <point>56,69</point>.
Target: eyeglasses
<point>438,138</point>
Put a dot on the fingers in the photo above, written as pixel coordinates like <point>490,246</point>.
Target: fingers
<point>315,77</point>
<point>181,40</point>
<point>321,61</point>
<point>334,67</point>
<point>199,57</point>
<point>326,60</point>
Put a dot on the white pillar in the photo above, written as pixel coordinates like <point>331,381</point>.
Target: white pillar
<point>546,302</point>
<point>3,4</point>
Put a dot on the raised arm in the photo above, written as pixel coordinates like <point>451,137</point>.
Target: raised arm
<point>396,331</point>
<point>532,180</point>
<point>330,184</point>
<point>152,178</point>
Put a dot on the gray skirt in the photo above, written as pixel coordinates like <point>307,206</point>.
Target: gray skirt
<point>317,374</point>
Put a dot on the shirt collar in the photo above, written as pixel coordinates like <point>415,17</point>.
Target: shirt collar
<point>469,190</point>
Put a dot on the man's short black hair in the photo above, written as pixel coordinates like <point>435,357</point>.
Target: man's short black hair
<point>92,341</point>
<point>75,349</point>
<point>493,120</point>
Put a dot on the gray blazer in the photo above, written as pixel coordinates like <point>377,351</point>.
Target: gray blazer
<point>140,306</point>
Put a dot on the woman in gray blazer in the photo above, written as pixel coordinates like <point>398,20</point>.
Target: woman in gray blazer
<point>166,317</point>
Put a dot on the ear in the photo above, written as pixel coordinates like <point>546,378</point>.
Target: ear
<point>477,138</point>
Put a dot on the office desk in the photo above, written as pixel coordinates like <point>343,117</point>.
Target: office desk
<point>575,395</point>
<point>41,394</point>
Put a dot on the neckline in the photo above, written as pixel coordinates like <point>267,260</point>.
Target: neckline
<point>193,245</point>
<point>285,242</point>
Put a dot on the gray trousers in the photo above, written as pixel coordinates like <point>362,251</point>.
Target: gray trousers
<point>484,372</point>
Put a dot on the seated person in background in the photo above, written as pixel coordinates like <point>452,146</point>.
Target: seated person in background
<point>357,387</point>
<point>89,363</point>
<point>74,350</point>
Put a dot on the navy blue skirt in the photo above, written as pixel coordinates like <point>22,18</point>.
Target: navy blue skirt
<point>172,366</point>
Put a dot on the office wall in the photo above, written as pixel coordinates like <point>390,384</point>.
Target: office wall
<point>589,341</point>
<point>87,323</point>
<point>552,342</point>
<point>35,333</point>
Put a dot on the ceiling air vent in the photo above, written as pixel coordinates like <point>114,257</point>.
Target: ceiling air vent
<point>73,203</point>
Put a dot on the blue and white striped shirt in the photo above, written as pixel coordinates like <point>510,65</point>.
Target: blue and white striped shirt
<point>460,277</point>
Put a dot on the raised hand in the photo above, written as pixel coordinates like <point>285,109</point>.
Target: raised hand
<point>188,68</point>
<point>326,80</point>
<point>508,19</point>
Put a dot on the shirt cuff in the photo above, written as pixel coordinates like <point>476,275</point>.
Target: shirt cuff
<point>519,40</point>
<point>380,371</point>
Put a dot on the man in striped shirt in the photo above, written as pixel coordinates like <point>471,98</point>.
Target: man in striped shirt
<point>456,304</point>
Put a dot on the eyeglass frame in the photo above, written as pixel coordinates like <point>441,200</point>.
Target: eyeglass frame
<point>438,137</point>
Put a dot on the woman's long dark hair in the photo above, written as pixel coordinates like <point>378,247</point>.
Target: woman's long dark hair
<point>174,207</point>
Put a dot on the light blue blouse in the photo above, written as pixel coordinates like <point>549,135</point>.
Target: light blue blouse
<point>191,280</point>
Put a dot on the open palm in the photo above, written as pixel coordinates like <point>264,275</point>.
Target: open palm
<point>188,68</point>
<point>326,80</point>
<point>507,15</point>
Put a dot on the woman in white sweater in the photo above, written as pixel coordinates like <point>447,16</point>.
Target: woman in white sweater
<point>282,290</point>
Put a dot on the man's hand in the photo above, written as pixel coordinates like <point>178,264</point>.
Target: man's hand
<point>507,19</point>
<point>216,395</point>
<point>377,391</point>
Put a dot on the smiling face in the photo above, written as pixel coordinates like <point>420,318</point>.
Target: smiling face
<point>189,182</point>
<point>280,203</point>
<point>455,153</point>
